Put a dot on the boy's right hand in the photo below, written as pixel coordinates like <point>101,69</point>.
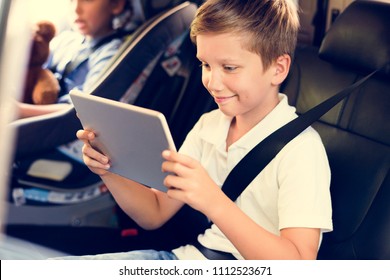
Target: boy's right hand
<point>96,162</point>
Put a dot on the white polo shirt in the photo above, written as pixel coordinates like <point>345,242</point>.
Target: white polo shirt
<point>291,191</point>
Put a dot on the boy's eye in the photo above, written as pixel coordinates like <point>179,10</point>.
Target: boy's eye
<point>204,65</point>
<point>229,68</point>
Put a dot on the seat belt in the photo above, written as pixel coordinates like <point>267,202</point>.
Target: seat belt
<point>259,157</point>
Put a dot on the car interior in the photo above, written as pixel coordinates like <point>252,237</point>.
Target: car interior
<point>355,132</point>
<point>157,68</point>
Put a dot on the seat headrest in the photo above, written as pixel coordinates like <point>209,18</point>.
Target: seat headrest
<point>153,7</point>
<point>359,38</point>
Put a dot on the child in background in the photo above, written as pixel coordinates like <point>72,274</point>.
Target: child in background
<point>245,49</point>
<point>79,55</point>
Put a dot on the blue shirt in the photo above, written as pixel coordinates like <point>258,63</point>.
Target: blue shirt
<point>68,45</point>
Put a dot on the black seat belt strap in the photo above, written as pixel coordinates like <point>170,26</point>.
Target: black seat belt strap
<point>259,157</point>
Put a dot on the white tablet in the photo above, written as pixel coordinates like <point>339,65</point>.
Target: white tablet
<point>132,137</point>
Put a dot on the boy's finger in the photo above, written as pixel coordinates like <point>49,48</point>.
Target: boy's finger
<point>85,135</point>
<point>95,155</point>
<point>176,157</point>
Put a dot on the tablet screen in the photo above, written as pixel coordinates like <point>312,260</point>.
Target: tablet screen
<point>132,137</point>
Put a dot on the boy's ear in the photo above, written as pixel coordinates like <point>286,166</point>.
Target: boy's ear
<point>281,68</point>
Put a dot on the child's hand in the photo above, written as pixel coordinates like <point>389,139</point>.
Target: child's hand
<point>96,162</point>
<point>189,182</point>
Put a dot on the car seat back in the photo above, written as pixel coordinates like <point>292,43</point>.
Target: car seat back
<point>149,41</point>
<point>154,7</point>
<point>356,132</point>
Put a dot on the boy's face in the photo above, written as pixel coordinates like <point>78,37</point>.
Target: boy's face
<point>93,18</point>
<point>235,77</point>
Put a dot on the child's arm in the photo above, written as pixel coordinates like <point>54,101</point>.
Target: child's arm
<point>254,242</point>
<point>148,207</point>
<point>31,110</point>
<point>193,186</point>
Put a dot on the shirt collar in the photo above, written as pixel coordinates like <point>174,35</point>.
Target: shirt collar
<point>92,42</point>
<point>216,134</point>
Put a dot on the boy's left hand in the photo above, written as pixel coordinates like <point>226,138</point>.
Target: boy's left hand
<point>189,182</point>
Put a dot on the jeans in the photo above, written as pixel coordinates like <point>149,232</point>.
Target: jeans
<point>132,255</point>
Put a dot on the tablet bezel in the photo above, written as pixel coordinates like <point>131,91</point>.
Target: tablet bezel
<point>132,137</point>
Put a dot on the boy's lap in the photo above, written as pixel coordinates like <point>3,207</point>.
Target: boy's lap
<point>131,255</point>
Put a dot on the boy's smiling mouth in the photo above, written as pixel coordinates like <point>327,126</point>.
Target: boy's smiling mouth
<point>223,99</point>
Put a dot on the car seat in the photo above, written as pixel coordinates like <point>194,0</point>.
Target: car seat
<point>40,205</point>
<point>139,50</point>
<point>154,7</point>
<point>356,132</point>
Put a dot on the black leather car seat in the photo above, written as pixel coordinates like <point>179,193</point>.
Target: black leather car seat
<point>356,132</point>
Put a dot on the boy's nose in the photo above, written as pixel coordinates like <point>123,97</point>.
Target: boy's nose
<point>213,81</point>
<point>75,6</point>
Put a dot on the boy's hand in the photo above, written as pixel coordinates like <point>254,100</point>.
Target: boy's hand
<point>189,182</point>
<point>96,162</point>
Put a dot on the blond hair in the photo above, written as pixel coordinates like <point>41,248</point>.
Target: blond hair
<point>270,26</point>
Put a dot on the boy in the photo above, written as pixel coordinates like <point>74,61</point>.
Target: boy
<point>245,49</point>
